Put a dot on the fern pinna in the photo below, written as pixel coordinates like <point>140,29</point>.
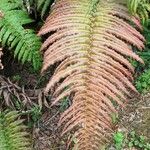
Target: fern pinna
<point>91,40</point>
<point>12,132</point>
<point>43,6</point>
<point>15,36</point>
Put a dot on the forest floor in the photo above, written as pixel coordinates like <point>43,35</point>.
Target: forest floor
<point>46,135</point>
<point>136,117</point>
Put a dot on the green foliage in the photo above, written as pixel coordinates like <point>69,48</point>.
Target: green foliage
<point>118,139</point>
<point>143,82</point>
<point>43,6</point>
<point>40,6</point>
<point>16,78</point>
<point>34,113</point>
<point>26,45</point>
<point>137,141</point>
<point>12,132</point>
<point>132,140</point>
<point>145,54</point>
<point>142,75</point>
<point>64,104</point>
<point>13,33</point>
<point>140,8</point>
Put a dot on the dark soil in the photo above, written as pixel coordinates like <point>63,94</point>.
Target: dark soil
<point>137,116</point>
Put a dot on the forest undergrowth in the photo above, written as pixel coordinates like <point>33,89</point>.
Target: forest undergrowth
<point>22,86</point>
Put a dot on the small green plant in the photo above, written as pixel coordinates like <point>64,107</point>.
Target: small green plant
<point>143,82</point>
<point>137,141</point>
<point>132,140</point>
<point>17,103</point>
<point>16,78</point>
<point>118,139</point>
<point>115,118</point>
<point>64,104</point>
<point>34,114</point>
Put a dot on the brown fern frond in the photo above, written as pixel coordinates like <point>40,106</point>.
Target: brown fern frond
<point>92,39</point>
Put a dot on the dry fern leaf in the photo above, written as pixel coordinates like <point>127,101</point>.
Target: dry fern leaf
<point>91,39</point>
<point>12,94</point>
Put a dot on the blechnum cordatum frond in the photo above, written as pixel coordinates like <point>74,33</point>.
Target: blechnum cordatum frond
<point>12,132</point>
<point>92,40</point>
<point>24,42</point>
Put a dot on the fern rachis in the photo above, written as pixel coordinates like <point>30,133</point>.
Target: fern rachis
<point>91,39</point>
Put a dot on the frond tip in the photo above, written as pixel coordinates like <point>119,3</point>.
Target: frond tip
<point>12,132</point>
<point>92,39</point>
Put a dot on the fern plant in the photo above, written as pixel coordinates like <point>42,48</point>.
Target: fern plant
<point>13,33</point>
<point>12,132</point>
<point>43,6</point>
<point>91,40</point>
<point>40,6</point>
<point>140,8</point>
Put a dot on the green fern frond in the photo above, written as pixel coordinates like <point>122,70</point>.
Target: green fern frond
<point>140,8</point>
<point>43,6</point>
<point>12,33</point>
<point>12,132</point>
